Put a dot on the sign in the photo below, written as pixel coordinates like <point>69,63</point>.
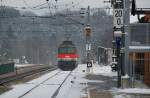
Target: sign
<point>82,12</point>
<point>88,47</point>
<point>89,64</point>
<point>122,50</point>
<point>118,18</point>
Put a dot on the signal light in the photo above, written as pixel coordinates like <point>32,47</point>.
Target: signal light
<point>88,30</point>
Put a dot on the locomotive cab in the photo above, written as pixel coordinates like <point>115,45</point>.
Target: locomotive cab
<point>67,56</point>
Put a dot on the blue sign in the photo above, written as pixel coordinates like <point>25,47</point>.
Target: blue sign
<point>118,42</point>
<point>89,64</point>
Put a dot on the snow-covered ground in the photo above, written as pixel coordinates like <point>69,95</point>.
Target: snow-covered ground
<point>75,86</point>
<point>20,89</point>
<point>131,92</point>
<point>134,91</point>
<point>103,70</point>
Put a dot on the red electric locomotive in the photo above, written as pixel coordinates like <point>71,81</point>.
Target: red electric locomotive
<point>67,56</point>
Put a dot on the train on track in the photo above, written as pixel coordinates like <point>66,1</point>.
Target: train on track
<point>67,56</point>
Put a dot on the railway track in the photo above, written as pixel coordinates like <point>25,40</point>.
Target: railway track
<point>46,80</point>
<point>57,91</point>
<point>25,74</point>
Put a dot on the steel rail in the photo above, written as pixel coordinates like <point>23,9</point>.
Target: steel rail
<point>58,89</point>
<point>37,85</point>
<point>25,74</point>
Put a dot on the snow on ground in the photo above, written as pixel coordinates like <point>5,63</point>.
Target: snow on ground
<point>18,90</point>
<point>42,91</point>
<point>134,91</point>
<point>131,93</point>
<point>77,83</point>
<point>74,87</point>
<point>103,70</point>
<point>44,77</point>
<point>123,96</point>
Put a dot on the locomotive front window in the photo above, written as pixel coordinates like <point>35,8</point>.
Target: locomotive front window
<point>71,50</point>
<point>67,50</point>
<point>62,50</point>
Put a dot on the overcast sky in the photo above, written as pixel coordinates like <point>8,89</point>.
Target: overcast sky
<point>93,3</point>
<point>143,3</point>
<point>20,3</point>
<point>66,3</point>
<point>61,3</point>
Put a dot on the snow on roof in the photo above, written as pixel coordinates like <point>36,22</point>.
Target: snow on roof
<point>140,47</point>
<point>133,19</point>
<point>24,65</point>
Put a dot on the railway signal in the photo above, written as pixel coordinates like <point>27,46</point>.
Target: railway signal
<point>87,33</point>
<point>87,30</point>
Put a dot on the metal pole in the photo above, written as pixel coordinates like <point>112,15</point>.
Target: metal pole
<point>127,31</point>
<point>88,15</point>
<point>88,38</point>
<point>119,67</point>
<point>118,6</point>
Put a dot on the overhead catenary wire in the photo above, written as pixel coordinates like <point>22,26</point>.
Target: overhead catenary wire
<point>68,18</point>
<point>37,7</point>
<point>1,2</point>
<point>27,4</point>
<point>2,8</point>
<point>49,7</point>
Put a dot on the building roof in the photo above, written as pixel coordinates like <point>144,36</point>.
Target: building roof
<point>139,48</point>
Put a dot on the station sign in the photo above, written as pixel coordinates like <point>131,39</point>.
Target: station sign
<point>88,47</point>
<point>83,12</point>
<point>118,18</point>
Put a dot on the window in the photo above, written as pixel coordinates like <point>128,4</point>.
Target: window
<point>67,50</point>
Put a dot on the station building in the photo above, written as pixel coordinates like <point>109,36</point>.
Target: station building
<point>139,52</point>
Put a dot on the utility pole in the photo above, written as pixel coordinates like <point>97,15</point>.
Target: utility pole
<point>88,15</point>
<point>126,37</point>
<point>88,45</point>
<point>88,31</point>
